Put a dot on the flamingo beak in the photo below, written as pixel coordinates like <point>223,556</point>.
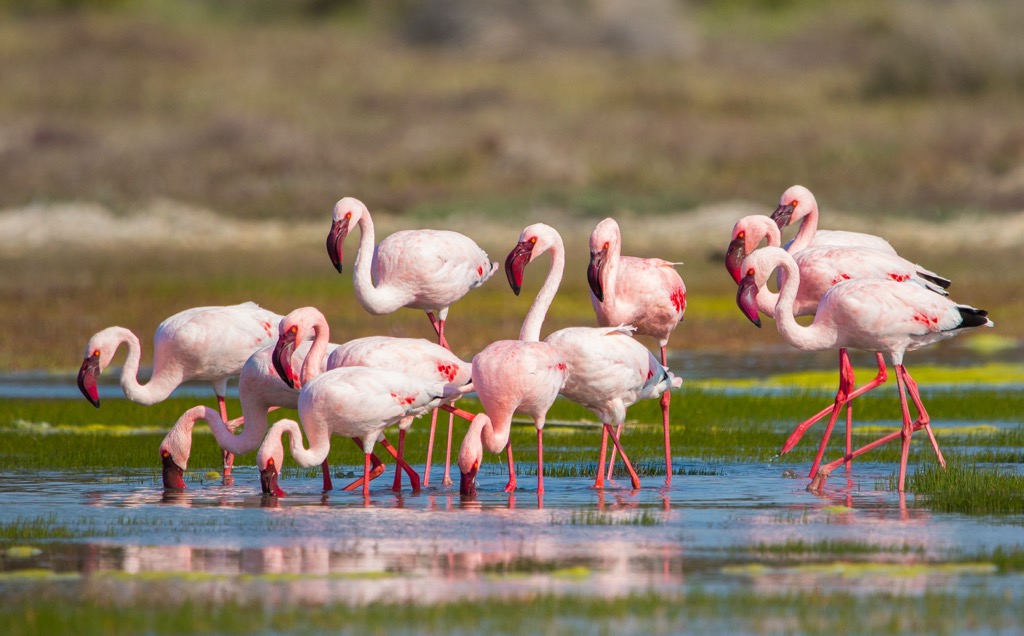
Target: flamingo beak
<point>173,474</point>
<point>516,263</point>
<point>87,376</point>
<point>734,257</point>
<point>782,214</point>
<point>746,298</point>
<point>597,261</point>
<point>467,485</point>
<point>282,359</point>
<point>268,480</point>
<point>335,239</point>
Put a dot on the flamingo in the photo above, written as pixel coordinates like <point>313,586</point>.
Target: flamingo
<point>647,293</point>
<point>421,269</point>
<point>357,402</point>
<point>260,389</point>
<point>202,343</point>
<point>416,356</point>
<point>516,376</point>
<point>821,267</point>
<point>877,315</point>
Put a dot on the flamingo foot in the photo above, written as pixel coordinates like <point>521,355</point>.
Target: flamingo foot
<point>818,482</point>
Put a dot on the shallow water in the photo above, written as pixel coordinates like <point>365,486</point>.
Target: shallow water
<point>435,545</point>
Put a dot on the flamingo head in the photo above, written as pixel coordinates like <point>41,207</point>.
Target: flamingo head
<point>173,474</point>
<point>98,354</point>
<point>794,204</point>
<point>735,254</point>
<point>534,241</point>
<point>282,356</point>
<point>176,447</point>
<point>269,460</point>
<point>757,267</point>
<point>87,376</point>
<point>746,236</point>
<point>346,216</point>
<point>471,454</point>
<point>605,239</point>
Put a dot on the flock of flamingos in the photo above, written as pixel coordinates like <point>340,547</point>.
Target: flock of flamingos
<point>861,293</point>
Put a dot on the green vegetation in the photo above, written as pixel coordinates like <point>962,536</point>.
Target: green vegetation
<point>967,488</point>
<point>739,611</point>
<point>598,518</point>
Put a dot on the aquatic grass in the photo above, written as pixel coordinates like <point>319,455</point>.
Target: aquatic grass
<point>828,547</point>
<point>47,527</point>
<point>966,488</point>
<point>598,518</point>
<point>736,611</point>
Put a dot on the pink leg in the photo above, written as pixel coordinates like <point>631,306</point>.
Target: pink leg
<point>666,397</point>
<point>599,481</point>
<point>540,461</point>
<point>908,427</point>
<point>611,462</point>
<point>430,448</point>
<point>438,326</point>
<point>922,417</point>
<point>414,478</point>
<point>511,485</point>
<point>880,379</point>
<point>401,453</point>
<point>229,458</point>
<point>823,472</point>
<point>466,415</point>
<point>377,471</point>
<point>366,477</point>
<point>634,478</point>
<point>846,382</point>
<point>446,480</point>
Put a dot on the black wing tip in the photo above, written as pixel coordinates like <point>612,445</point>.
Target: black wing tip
<point>971,317</point>
<point>938,280</point>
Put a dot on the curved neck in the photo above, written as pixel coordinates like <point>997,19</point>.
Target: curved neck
<point>493,438</point>
<point>539,309</point>
<point>314,362</point>
<point>819,335</point>
<point>314,456</point>
<point>166,375</point>
<point>371,298</point>
<point>611,273</point>
<point>248,440</point>
<point>808,227</point>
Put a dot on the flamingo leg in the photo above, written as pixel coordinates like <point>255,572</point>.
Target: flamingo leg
<point>446,480</point>
<point>401,453</point>
<point>846,382</point>
<point>599,481</point>
<point>511,485</point>
<point>430,448</point>
<point>819,480</point>
<point>666,398</point>
<point>438,326</point>
<point>328,484</point>
<point>466,415</point>
<point>908,427</point>
<point>923,419</point>
<point>611,462</point>
<point>540,461</point>
<point>801,428</point>
<point>634,478</point>
<point>375,472</point>
<point>414,478</point>
<point>366,477</point>
<point>228,456</point>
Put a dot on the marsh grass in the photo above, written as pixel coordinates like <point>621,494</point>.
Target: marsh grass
<point>966,488</point>
<point>737,611</point>
<point>597,518</point>
<point>830,548</point>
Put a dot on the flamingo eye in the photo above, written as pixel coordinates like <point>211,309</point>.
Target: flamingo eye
<point>750,272</point>
<point>96,353</point>
<point>607,243</point>
<point>270,462</point>
<point>533,239</point>
<point>294,329</point>
<point>348,215</point>
<point>164,454</point>
<point>741,235</point>
<point>794,203</point>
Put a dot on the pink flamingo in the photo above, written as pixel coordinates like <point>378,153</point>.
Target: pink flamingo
<point>517,376</point>
<point>202,343</point>
<point>821,267</point>
<point>796,204</point>
<point>876,315</point>
<point>647,293</point>
<point>420,269</point>
<point>415,356</point>
<point>356,402</point>
<point>260,390</point>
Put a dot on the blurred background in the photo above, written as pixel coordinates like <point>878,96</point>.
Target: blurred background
<point>162,154</point>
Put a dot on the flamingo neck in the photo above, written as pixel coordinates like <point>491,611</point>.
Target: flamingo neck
<point>611,273</point>
<point>314,362</point>
<point>375,300</point>
<point>819,335</point>
<point>539,309</point>
<point>249,439</point>
<point>808,228</point>
<point>166,373</point>
<point>494,438</point>
<point>313,456</point>
<point>764,228</point>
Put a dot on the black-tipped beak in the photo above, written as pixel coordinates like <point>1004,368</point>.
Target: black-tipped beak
<point>174,475</point>
<point>597,261</point>
<point>282,358</point>
<point>87,376</point>
<point>467,485</point>
<point>335,239</point>
<point>268,481</point>
<point>734,257</point>
<point>516,262</point>
<point>746,299</point>
<point>782,214</point>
